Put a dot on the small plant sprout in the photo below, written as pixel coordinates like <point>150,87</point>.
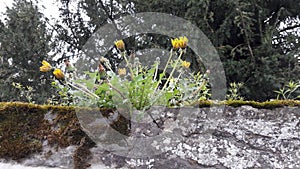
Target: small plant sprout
<point>234,91</point>
<point>289,91</point>
<point>25,91</point>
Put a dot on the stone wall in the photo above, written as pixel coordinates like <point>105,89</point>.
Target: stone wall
<point>211,137</point>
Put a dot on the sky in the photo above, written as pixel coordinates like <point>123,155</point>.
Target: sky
<point>48,7</point>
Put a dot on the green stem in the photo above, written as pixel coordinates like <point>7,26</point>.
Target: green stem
<point>118,91</point>
<point>180,74</point>
<point>165,69</point>
<point>165,85</point>
<point>199,88</point>
<point>155,74</point>
<point>127,62</point>
<point>173,70</point>
<point>83,89</point>
<point>169,59</point>
<point>141,97</point>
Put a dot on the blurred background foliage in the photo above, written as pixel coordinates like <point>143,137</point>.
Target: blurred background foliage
<point>257,40</point>
<point>24,43</point>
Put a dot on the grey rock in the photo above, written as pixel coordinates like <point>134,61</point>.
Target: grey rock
<point>219,137</point>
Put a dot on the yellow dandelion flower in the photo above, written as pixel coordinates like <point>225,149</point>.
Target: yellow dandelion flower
<point>120,45</point>
<point>175,43</point>
<point>180,42</point>
<point>46,66</point>
<point>58,74</point>
<point>122,71</point>
<point>183,41</point>
<point>185,64</point>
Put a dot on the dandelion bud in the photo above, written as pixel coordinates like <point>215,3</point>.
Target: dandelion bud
<point>105,62</point>
<point>207,71</point>
<point>136,61</point>
<point>157,60</point>
<point>122,71</point>
<point>185,64</point>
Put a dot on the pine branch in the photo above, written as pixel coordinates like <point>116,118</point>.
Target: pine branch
<point>289,28</point>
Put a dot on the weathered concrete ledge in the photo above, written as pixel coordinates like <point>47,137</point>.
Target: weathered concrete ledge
<point>220,136</point>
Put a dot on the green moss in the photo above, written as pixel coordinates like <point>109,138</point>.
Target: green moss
<point>265,105</point>
<point>204,103</point>
<point>260,105</point>
<point>23,128</point>
<point>19,128</point>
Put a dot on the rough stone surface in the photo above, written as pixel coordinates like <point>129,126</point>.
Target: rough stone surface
<point>217,137</point>
<point>186,138</point>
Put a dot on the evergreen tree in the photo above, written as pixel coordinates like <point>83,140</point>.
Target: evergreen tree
<point>24,44</point>
<point>254,46</point>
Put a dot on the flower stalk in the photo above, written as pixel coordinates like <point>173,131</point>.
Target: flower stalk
<point>173,70</point>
